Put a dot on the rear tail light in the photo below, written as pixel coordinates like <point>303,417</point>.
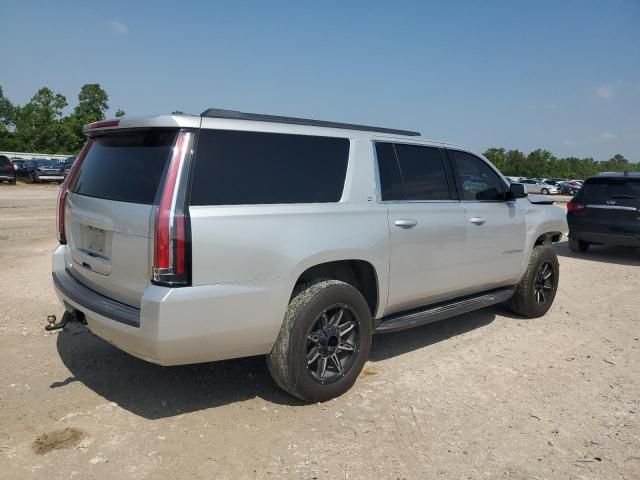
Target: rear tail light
<point>574,207</point>
<point>64,191</point>
<point>171,227</point>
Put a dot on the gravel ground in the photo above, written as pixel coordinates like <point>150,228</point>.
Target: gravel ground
<point>483,395</point>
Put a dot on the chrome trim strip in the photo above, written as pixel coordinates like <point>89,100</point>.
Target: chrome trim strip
<point>612,207</point>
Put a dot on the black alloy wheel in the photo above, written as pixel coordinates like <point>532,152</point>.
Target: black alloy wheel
<point>333,342</point>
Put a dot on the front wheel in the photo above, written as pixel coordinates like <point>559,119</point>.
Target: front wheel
<point>537,288</point>
<point>324,341</point>
<point>544,191</point>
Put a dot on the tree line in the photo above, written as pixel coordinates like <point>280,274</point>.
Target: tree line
<point>543,164</point>
<point>40,126</point>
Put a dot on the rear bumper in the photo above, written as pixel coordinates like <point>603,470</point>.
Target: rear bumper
<point>606,238</point>
<point>4,176</point>
<point>177,326</point>
<point>49,178</point>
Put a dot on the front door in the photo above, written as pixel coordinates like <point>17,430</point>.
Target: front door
<point>496,228</point>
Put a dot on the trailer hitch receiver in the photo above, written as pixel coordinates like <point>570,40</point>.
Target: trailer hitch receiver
<point>69,316</point>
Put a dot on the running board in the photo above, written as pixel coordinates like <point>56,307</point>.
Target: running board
<point>440,311</point>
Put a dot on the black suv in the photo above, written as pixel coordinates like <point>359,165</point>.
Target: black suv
<point>7,170</point>
<point>606,211</point>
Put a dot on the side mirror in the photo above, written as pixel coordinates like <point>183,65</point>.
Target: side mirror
<point>516,190</point>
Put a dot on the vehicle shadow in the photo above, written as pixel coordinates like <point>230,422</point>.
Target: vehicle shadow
<point>599,253</point>
<point>152,391</point>
<point>389,345</point>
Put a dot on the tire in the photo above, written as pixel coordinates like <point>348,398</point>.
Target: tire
<point>13,182</point>
<point>311,322</point>
<point>535,292</point>
<point>578,246</point>
<point>544,191</point>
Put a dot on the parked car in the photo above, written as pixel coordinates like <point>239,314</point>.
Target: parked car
<point>17,163</point>
<point>568,188</point>
<point>606,211</point>
<point>537,186</point>
<point>7,170</point>
<point>67,164</point>
<point>291,238</point>
<point>41,170</point>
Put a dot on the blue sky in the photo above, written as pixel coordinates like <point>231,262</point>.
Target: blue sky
<point>561,75</point>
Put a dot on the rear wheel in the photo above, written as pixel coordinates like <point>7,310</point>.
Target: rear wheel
<point>576,245</point>
<point>324,341</point>
<point>537,289</point>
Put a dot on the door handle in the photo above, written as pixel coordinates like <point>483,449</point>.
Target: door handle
<point>477,220</point>
<point>406,223</point>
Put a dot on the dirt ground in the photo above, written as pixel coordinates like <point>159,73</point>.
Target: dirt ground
<point>483,395</point>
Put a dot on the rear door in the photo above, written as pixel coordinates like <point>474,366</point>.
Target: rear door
<point>427,226</point>
<point>109,210</point>
<point>496,228</point>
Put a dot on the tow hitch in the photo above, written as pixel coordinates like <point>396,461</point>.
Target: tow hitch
<point>69,316</point>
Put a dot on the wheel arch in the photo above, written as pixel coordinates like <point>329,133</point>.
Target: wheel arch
<point>361,274</point>
<point>547,238</point>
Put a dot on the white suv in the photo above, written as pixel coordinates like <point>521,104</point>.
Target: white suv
<point>189,239</point>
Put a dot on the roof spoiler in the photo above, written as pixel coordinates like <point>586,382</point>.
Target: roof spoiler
<point>258,117</point>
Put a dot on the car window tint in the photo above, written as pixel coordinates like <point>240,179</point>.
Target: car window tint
<point>389,172</point>
<point>608,188</point>
<point>423,173</point>
<point>242,168</point>
<point>475,179</point>
<point>126,167</point>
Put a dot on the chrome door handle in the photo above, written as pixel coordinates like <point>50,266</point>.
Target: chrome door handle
<point>477,220</point>
<point>406,223</point>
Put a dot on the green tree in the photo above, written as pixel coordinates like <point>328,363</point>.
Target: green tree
<point>120,113</point>
<point>38,123</point>
<point>92,106</point>
<point>7,112</point>
<point>92,103</point>
<point>177,112</point>
<point>497,156</point>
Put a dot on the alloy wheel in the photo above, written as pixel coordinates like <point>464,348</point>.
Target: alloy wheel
<point>333,342</point>
<point>543,286</point>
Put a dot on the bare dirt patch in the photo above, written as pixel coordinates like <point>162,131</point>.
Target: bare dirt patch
<point>65,438</point>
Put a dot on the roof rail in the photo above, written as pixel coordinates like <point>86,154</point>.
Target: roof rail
<point>258,117</point>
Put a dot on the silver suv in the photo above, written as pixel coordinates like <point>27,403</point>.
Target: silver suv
<point>189,239</point>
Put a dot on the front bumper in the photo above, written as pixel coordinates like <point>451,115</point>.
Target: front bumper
<point>175,326</point>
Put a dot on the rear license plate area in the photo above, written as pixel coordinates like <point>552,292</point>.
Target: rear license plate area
<point>94,240</point>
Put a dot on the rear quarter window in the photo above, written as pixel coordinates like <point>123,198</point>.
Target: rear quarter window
<point>126,167</point>
<point>244,168</point>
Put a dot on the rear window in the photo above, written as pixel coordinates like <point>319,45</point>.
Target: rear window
<point>126,167</point>
<point>240,168</point>
<point>4,161</point>
<point>607,188</point>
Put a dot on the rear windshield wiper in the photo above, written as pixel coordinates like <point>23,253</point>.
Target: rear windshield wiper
<point>630,197</point>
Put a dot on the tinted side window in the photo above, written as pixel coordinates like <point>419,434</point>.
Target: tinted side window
<point>390,180</point>
<point>423,172</point>
<point>475,179</point>
<point>240,168</point>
